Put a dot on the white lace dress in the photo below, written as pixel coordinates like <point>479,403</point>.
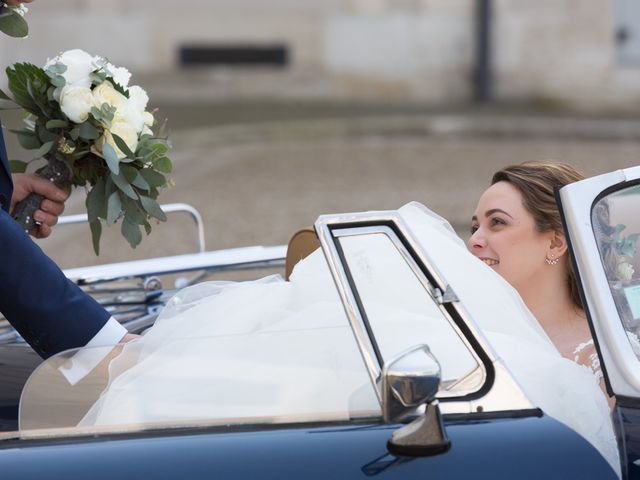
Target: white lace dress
<point>585,354</point>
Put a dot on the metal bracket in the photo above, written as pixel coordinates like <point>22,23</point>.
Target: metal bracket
<point>449,296</point>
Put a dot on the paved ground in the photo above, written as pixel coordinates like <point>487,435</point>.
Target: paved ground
<point>256,180</point>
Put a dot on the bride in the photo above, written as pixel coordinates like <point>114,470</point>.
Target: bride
<point>517,230</point>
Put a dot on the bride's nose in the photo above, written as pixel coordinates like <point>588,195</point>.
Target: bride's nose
<point>476,241</point>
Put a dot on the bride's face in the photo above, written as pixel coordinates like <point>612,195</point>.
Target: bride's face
<point>504,236</point>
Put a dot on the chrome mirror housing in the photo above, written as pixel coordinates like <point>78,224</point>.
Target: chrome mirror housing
<point>409,381</point>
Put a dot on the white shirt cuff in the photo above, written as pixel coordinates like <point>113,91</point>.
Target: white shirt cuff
<point>86,359</point>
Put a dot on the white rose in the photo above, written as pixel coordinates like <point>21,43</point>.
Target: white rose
<point>79,65</point>
<point>127,113</point>
<point>148,119</point>
<point>105,93</point>
<point>625,271</point>
<point>76,103</point>
<point>138,97</point>
<point>120,75</point>
<point>122,129</point>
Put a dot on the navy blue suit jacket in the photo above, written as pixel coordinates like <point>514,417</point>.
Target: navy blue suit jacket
<point>50,312</point>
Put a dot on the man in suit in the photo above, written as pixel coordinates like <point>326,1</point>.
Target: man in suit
<point>50,312</point>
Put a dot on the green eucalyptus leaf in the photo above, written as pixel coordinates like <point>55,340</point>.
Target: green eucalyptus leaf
<point>163,164</point>
<point>107,112</point>
<point>45,135</point>
<point>18,166</point>
<point>57,68</point>
<point>110,156</point>
<point>96,201</point>
<point>44,149</point>
<point>97,114</point>
<point>74,133</point>
<point>153,178</point>
<point>131,232</point>
<point>152,208</point>
<point>140,182</point>
<point>114,208</point>
<point>58,81</point>
<point>88,131</point>
<point>124,186</point>
<point>14,25</point>
<point>97,77</point>
<point>96,232</point>
<point>122,145</point>
<point>55,123</point>
<point>134,214</point>
<point>28,141</point>
<point>147,227</point>
<point>130,173</point>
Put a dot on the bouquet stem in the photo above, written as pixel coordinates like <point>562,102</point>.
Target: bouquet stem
<point>57,172</point>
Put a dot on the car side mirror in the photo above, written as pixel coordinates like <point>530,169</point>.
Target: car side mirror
<point>409,381</point>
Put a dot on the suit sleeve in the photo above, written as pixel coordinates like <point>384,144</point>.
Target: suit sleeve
<point>48,310</point>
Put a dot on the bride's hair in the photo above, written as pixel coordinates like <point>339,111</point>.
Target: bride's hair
<point>536,182</point>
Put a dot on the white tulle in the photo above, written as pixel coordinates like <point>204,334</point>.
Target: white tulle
<point>271,349</point>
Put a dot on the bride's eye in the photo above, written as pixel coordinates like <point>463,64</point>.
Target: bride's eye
<point>495,221</point>
<point>473,229</point>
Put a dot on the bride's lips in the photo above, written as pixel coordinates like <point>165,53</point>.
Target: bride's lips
<point>489,261</point>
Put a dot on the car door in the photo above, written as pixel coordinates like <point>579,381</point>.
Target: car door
<point>602,220</point>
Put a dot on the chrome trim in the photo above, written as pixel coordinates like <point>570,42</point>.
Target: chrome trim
<point>168,208</point>
<point>621,364</point>
<point>374,369</point>
<point>504,393</point>
<point>230,259</point>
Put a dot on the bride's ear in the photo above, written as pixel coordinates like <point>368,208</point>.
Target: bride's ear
<point>558,246</point>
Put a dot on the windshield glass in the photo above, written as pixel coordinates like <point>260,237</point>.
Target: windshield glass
<point>308,375</point>
<point>401,312</point>
<point>264,351</point>
<point>616,227</point>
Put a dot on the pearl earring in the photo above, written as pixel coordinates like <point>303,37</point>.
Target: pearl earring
<point>553,261</point>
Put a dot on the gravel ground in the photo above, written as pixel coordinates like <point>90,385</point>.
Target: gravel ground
<point>258,182</point>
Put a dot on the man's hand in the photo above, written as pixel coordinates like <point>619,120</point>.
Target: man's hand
<point>51,207</point>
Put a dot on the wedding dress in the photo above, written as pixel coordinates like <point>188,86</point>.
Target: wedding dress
<point>271,350</point>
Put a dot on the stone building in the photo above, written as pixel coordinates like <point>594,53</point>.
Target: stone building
<point>580,53</point>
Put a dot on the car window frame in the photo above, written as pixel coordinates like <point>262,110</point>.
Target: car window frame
<point>499,392</point>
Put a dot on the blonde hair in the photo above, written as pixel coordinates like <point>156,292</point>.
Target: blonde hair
<point>536,182</point>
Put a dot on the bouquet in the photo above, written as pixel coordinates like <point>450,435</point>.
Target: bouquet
<point>12,20</point>
<point>94,131</point>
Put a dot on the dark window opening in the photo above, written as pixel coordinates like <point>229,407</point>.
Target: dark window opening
<point>234,55</point>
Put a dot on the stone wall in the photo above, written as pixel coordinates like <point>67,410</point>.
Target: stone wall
<point>555,51</point>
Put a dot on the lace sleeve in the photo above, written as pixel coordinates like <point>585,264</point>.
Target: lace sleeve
<point>585,354</point>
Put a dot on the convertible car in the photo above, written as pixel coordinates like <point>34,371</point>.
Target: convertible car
<point>386,351</point>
